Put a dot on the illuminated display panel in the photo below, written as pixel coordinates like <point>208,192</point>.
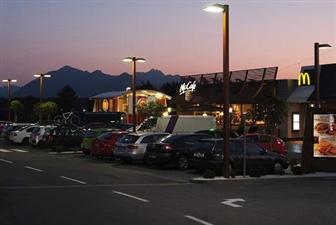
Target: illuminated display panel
<point>296,122</point>
<point>324,134</point>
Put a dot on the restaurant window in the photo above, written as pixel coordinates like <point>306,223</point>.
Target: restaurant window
<point>295,121</point>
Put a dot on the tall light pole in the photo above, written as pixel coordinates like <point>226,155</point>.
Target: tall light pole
<point>41,77</point>
<point>317,47</point>
<point>219,8</point>
<point>9,82</point>
<point>134,60</point>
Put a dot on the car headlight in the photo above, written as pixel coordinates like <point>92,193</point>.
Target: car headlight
<point>218,156</point>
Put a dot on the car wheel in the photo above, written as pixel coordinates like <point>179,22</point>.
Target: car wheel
<point>25,141</point>
<point>182,162</point>
<point>278,168</point>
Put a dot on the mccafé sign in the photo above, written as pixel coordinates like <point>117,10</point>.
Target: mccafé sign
<point>304,79</point>
<point>187,87</point>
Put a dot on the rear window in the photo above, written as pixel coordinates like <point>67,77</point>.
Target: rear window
<point>90,134</point>
<point>205,145</point>
<point>170,138</point>
<point>105,136</point>
<point>129,139</point>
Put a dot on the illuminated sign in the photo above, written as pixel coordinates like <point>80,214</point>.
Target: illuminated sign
<point>304,79</point>
<point>187,87</point>
<point>105,105</point>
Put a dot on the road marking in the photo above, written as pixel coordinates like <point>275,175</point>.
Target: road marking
<point>197,220</point>
<point>6,161</point>
<point>32,168</point>
<point>89,186</point>
<point>130,196</point>
<point>230,202</point>
<point>4,150</point>
<point>18,150</point>
<point>68,178</point>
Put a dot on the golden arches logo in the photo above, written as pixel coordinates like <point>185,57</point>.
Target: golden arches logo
<point>303,77</point>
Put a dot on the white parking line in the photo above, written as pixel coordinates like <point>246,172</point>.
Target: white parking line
<point>198,220</point>
<point>130,196</point>
<point>6,161</point>
<point>18,150</point>
<point>68,178</point>
<point>32,168</point>
<point>4,150</point>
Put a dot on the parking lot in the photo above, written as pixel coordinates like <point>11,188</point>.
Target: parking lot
<point>37,187</point>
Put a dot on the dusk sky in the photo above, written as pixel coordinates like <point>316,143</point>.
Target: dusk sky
<point>175,36</point>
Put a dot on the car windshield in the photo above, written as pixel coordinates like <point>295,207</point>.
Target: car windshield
<point>36,130</point>
<point>129,139</point>
<point>90,134</point>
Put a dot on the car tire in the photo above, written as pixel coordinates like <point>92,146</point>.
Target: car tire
<point>182,162</point>
<point>25,141</point>
<point>278,168</point>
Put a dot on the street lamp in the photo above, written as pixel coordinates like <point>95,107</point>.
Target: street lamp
<point>134,60</point>
<point>219,8</point>
<point>317,47</point>
<point>9,81</point>
<point>40,77</point>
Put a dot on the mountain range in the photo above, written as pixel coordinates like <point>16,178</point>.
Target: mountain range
<point>87,84</point>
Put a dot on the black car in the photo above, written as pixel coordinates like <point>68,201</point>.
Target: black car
<point>66,136</point>
<point>175,148</point>
<point>209,155</point>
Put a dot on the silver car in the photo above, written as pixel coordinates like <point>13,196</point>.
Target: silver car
<point>132,147</point>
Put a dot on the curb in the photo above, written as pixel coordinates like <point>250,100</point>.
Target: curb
<point>201,180</point>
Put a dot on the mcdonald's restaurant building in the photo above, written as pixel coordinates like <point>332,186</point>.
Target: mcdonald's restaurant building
<point>300,96</point>
<point>201,94</point>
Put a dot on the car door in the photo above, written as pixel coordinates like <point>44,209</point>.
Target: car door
<point>256,156</point>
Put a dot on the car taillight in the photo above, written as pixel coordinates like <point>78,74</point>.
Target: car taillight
<point>132,146</point>
<point>167,147</point>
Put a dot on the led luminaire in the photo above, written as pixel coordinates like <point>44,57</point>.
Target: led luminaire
<point>214,8</point>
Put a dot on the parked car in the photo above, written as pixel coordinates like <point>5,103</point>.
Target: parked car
<point>3,125</point>
<point>13,127</point>
<point>209,155</point>
<point>89,136</point>
<point>104,144</point>
<point>175,148</point>
<point>132,147</point>
<point>66,136</point>
<point>39,136</point>
<point>264,140</point>
<point>21,136</point>
<point>217,133</point>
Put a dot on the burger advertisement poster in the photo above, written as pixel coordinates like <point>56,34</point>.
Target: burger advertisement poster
<point>324,135</point>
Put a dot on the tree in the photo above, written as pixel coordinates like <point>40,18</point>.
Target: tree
<point>154,109</point>
<point>170,88</point>
<point>17,107</point>
<point>67,99</point>
<point>48,109</point>
<point>271,110</point>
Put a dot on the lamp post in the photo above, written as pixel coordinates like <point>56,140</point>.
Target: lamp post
<point>40,77</point>
<point>134,60</point>
<point>219,8</point>
<point>317,47</point>
<point>9,81</point>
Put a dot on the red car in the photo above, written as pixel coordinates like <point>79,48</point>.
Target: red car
<point>264,140</point>
<point>105,143</point>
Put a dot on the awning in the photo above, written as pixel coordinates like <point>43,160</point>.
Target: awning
<point>301,94</point>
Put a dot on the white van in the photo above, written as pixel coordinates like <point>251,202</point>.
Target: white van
<point>184,124</point>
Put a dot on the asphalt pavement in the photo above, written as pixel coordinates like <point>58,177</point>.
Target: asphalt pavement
<point>39,188</point>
